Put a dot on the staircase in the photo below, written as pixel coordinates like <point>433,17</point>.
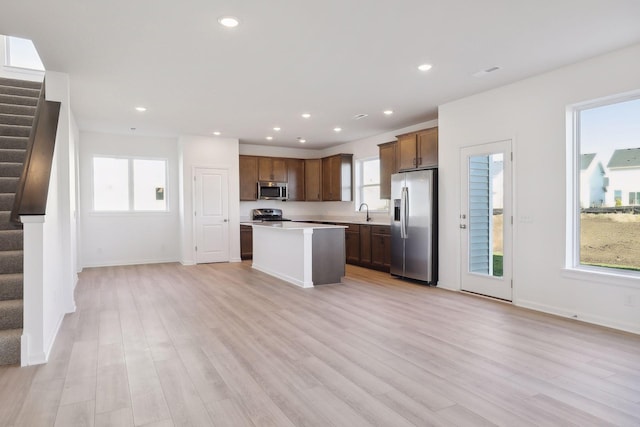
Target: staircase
<point>18,100</point>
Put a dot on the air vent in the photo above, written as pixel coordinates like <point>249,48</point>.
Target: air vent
<point>360,116</point>
<point>486,71</point>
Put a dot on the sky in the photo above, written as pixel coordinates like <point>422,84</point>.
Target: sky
<point>610,127</point>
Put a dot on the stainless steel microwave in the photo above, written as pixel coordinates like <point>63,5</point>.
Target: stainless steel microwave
<point>269,190</point>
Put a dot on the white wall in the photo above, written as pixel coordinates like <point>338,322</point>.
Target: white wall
<point>361,149</point>
<point>210,152</point>
<point>128,238</point>
<point>532,112</point>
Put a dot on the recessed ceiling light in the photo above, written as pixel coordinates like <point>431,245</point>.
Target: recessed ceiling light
<point>424,67</point>
<point>229,21</point>
<point>277,129</point>
<point>306,115</point>
<point>216,133</point>
<point>141,109</point>
<point>337,129</point>
<point>301,140</point>
<point>388,112</point>
<point>269,138</point>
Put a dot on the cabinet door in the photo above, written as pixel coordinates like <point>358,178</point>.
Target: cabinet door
<point>427,146</point>
<point>295,179</point>
<point>248,178</point>
<point>365,245</point>
<point>352,245</point>
<point>265,169</point>
<point>407,151</point>
<point>381,247</point>
<point>331,178</point>
<point>279,170</point>
<point>387,168</point>
<point>246,242</point>
<point>336,177</point>
<point>313,180</point>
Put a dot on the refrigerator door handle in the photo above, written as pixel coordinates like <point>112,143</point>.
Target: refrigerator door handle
<point>404,210</point>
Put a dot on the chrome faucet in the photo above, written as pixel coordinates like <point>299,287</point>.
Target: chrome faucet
<point>360,210</point>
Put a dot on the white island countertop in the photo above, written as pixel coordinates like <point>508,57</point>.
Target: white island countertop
<point>290,225</point>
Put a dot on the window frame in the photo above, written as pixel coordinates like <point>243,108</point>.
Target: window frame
<point>6,48</point>
<point>131,185</point>
<point>573,268</point>
<point>360,186</point>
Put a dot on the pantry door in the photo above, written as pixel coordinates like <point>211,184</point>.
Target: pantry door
<point>211,215</point>
<point>486,219</point>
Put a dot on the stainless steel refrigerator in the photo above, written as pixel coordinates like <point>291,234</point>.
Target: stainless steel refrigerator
<point>414,225</point>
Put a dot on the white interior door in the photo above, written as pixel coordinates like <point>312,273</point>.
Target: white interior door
<point>486,219</point>
<point>211,215</point>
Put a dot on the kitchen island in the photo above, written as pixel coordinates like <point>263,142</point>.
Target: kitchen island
<point>301,253</point>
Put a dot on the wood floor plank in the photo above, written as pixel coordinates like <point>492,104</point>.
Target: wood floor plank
<point>225,345</point>
<point>81,414</point>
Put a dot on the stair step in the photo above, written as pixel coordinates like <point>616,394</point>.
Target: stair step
<point>18,100</point>
<point>11,262</point>
<point>10,346</point>
<point>11,169</point>
<point>16,119</point>
<point>4,81</point>
<point>23,110</point>
<point>20,91</point>
<point>12,155</point>
<point>6,202</point>
<point>11,286</point>
<point>6,224</point>
<point>11,240</point>
<point>8,184</point>
<point>11,314</point>
<point>11,142</point>
<point>14,130</point>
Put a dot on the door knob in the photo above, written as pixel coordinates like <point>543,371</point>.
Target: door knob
<point>463,225</point>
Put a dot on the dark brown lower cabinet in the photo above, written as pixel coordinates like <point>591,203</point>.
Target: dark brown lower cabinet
<point>381,247</point>
<point>369,246</point>
<point>246,242</point>
<point>352,244</point>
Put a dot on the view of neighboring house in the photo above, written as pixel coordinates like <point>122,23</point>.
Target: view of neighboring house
<point>593,182</point>
<point>624,178</point>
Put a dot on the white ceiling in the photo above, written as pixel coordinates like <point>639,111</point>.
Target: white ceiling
<point>332,58</point>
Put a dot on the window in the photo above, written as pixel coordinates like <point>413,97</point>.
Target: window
<point>368,184</point>
<point>607,229</point>
<point>124,184</point>
<point>21,53</point>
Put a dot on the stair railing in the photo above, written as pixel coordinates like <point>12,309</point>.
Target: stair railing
<point>33,186</point>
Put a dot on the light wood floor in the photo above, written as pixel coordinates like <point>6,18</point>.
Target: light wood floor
<point>223,345</point>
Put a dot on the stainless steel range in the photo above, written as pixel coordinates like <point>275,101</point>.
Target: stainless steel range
<point>268,215</point>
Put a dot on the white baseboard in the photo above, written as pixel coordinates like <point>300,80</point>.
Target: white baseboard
<point>583,317</point>
<point>284,277</point>
<point>129,262</point>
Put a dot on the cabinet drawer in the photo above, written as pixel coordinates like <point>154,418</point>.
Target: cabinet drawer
<point>381,229</point>
<point>353,227</point>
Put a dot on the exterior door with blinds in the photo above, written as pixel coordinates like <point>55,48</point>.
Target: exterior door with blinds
<point>486,219</point>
